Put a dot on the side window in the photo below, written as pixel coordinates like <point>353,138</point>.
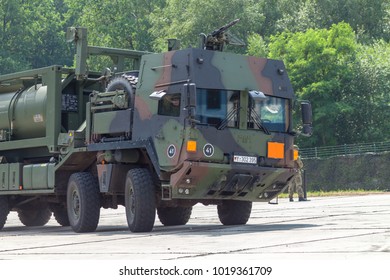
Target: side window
<point>169,105</point>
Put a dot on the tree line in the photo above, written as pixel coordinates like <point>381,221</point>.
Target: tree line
<point>337,52</point>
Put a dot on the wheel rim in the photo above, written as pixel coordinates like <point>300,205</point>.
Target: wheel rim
<point>75,204</point>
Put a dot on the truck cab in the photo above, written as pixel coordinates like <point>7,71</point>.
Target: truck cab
<point>231,138</point>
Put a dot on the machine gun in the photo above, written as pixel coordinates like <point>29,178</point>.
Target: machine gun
<point>217,39</point>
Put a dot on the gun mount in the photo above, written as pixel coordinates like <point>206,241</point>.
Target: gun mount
<point>217,39</point>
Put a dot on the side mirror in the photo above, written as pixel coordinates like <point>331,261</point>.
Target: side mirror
<point>307,118</point>
<point>306,112</point>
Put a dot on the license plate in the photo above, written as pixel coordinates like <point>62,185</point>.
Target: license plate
<point>245,159</point>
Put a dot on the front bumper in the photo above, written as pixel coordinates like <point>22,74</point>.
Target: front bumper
<point>213,181</point>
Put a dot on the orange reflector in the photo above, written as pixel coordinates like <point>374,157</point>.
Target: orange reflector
<point>296,154</point>
<point>275,150</point>
<point>191,146</point>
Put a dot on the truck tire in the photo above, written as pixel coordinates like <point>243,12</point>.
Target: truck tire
<point>60,213</point>
<point>140,200</point>
<point>83,202</point>
<point>34,217</point>
<point>4,210</point>
<point>125,83</point>
<point>234,212</point>
<point>174,216</point>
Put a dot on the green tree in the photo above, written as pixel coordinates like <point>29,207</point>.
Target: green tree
<point>10,30</point>
<point>118,23</point>
<point>368,18</point>
<point>371,87</point>
<point>319,64</point>
<point>32,35</point>
<point>299,15</point>
<point>257,46</point>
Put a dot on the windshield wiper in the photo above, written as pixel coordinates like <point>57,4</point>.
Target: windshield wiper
<point>224,122</point>
<point>257,120</point>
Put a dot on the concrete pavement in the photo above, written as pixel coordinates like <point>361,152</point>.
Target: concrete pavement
<point>324,228</point>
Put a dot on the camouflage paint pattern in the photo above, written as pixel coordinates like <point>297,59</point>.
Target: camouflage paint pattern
<point>208,172</point>
<point>194,175</point>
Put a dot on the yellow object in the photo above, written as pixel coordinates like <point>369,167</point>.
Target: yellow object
<point>275,150</point>
<point>296,154</point>
<point>191,146</point>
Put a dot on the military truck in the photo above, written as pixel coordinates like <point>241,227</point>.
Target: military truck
<point>188,126</point>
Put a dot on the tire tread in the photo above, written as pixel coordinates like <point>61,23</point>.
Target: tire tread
<point>143,187</point>
<point>89,193</point>
<point>234,212</point>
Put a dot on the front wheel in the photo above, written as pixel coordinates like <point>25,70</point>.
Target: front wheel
<point>83,202</point>
<point>140,200</point>
<point>4,210</point>
<point>234,212</point>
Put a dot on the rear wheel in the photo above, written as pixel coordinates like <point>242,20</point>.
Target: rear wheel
<point>83,202</point>
<point>60,213</point>
<point>234,212</point>
<point>4,210</point>
<point>34,217</point>
<point>140,200</point>
<point>174,216</point>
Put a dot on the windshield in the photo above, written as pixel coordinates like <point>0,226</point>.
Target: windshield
<point>221,108</point>
<point>272,112</point>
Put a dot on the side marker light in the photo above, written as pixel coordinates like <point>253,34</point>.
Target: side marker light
<point>191,146</point>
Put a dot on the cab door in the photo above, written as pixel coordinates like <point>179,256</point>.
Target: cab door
<point>168,139</point>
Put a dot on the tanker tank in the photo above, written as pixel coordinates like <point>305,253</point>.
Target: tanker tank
<point>23,113</point>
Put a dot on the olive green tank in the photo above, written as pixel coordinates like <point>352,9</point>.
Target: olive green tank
<point>23,113</point>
